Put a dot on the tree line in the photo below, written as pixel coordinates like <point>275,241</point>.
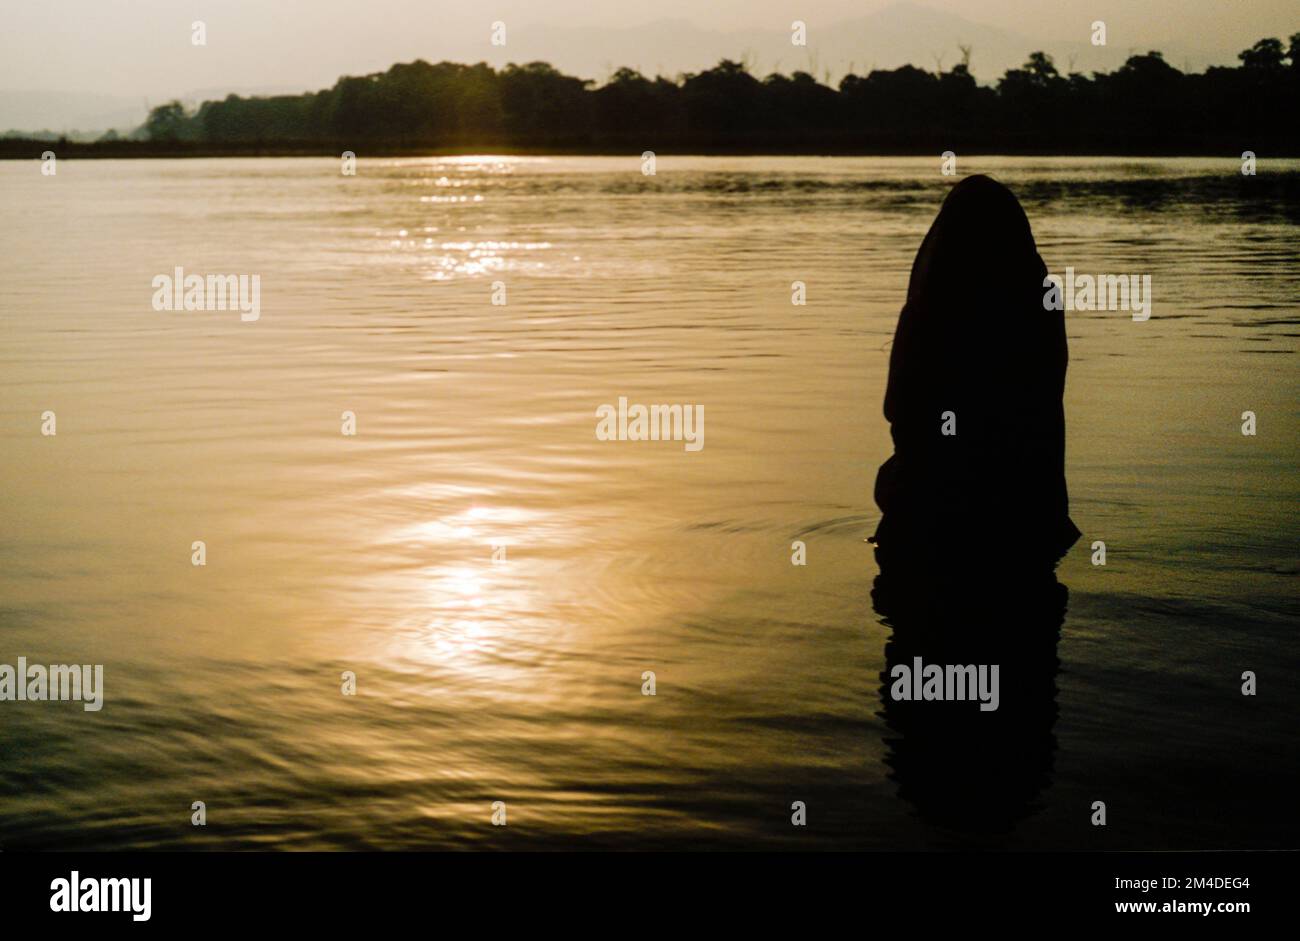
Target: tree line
<point>1146,105</point>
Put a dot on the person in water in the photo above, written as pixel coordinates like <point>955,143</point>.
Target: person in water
<point>974,397</point>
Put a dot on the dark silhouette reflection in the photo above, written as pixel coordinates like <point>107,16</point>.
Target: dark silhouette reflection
<point>965,769</point>
<point>975,518</point>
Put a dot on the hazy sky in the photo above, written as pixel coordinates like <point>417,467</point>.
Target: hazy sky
<point>142,48</point>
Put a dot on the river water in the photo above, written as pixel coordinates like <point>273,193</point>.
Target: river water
<point>520,680</point>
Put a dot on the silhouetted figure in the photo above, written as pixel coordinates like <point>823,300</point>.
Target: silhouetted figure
<point>975,515</point>
<point>976,773</point>
<point>974,400</point>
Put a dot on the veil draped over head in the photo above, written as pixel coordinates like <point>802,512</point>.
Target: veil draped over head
<point>975,341</point>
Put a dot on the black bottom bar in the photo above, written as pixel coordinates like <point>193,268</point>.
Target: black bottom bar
<point>295,890</point>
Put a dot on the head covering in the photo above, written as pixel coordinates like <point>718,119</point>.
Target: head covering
<point>976,353</point>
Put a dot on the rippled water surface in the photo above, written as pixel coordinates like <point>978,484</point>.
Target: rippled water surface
<point>521,681</point>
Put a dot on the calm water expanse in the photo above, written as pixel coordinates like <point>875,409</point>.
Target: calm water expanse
<point>521,681</point>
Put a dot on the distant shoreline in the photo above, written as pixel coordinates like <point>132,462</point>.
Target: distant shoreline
<point>28,149</point>
<point>1145,108</point>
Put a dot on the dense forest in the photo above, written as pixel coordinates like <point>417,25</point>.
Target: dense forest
<point>1146,106</point>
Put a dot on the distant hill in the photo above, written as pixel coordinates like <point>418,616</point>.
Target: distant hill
<point>899,34</point>
<point>75,114</point>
